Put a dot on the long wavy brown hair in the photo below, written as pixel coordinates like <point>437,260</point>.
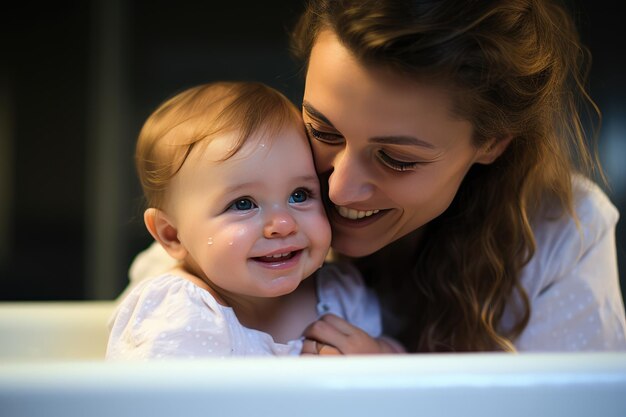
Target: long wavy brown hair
<point>517,70</point>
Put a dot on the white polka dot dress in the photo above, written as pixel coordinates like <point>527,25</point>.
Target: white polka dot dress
<point>170,317</point>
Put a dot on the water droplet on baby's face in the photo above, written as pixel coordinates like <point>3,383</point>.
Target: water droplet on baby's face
<point>230,243</point>
<point>210,241</point>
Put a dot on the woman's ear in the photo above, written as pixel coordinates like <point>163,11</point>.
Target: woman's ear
<point>165,232</point>
<point>492,149</point>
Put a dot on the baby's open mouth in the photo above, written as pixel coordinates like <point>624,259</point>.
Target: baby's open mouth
<point>278,257</point>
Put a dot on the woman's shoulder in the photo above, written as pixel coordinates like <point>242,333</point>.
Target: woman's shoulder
<point>150,262</point>
<point>572,280</point>
<point>563,240</point>
<point>592,205</point>
<point>594,215</point>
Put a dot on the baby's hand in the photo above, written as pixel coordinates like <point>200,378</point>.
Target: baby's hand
<point>332,335</point>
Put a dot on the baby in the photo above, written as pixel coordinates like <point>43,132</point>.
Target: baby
<point>234,198</point>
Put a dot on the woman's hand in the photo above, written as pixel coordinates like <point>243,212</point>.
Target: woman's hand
<point>332,335</point>
<point>313,347</point>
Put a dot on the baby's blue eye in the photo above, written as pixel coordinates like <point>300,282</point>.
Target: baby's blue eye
<point>299,196</point>
<point>243,204</point>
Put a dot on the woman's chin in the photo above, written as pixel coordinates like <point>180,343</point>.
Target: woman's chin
<point>354,249</point>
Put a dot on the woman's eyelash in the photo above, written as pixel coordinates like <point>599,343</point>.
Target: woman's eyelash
<point>335,139</point>
<point>330,138</point>
<point>395,164</point>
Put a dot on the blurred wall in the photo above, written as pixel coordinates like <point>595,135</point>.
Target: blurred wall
<point>77,80</point>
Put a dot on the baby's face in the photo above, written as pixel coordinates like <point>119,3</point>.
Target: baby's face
<point>254,224</point>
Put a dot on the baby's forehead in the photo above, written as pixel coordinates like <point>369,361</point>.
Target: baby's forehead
<point>231,145</point>
<point>218,148</point>
<point>256,154</point>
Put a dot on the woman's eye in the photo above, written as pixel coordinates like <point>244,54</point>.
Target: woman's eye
<point>299,196</point>
<point>326,137</point>
<point>395,164</point>
<point>242,204</point>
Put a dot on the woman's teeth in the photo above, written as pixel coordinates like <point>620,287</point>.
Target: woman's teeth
<point>354,214</point>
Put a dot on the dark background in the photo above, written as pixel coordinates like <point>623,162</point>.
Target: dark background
<point>78,79</point>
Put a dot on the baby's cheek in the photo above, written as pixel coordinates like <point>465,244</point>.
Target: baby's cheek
<point>232,236</point>
<point>320,233</point>
<point>227,248</point>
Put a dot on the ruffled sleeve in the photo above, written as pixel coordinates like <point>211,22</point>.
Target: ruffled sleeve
<point>166,317</point>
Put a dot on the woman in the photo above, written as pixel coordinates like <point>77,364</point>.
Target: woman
<point>448,137</point>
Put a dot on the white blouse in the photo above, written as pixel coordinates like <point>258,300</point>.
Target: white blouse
<point>572,280</point>
<point>169,316</point>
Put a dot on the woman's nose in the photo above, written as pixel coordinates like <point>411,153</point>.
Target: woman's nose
<point>279,223</point>
<point>350,181</point>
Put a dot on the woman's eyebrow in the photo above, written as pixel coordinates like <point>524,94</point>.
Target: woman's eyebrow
<point>402,140</point>
<point>391,140</point>
<point>315,113</point>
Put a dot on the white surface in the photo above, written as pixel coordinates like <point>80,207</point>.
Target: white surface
<point>54,330</point>
<point>60,375</point>
<point>442,385</point>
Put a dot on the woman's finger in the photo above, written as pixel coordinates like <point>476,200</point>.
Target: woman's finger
<point>313,347</point>
<point>326,350</point>
<point>340,324</point>
<point>324,332</point>
<point>348,339</point>
<point>309,347</point>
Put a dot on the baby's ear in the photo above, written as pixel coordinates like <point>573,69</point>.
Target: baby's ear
<point>163,230</point>
<point>492,149</point>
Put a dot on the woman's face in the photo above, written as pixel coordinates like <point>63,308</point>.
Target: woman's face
<point>389,151</point>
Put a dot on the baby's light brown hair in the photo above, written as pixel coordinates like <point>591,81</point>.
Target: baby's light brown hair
<point>196,116</point>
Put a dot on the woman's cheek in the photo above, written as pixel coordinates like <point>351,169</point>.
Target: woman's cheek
<point>323,156</point>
